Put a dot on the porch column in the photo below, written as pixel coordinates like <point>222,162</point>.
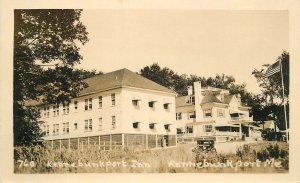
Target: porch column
<point>249,131</point>
<point>240,130</point>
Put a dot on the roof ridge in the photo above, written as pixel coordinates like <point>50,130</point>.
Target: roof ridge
<point>122,75</point>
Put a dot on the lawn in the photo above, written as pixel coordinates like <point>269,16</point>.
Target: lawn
<point>259,157</point>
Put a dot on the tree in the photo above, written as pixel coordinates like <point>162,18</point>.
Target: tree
<point>272,90</point>
<point>84,74</point>
<point>45,51</point>
<point>179,83</point>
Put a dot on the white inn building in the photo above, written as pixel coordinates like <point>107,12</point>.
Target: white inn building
<point>213,112</point>
<point>118,109</point>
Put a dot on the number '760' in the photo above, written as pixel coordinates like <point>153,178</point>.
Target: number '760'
<point>25,163</point>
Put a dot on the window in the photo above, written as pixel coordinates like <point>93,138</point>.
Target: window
<point>192,115</point>
<point>136,125</point>
<point>113,99</point>
<point>55,129</point>
<point>75,126</point>
<point>88,125</point>
<point>66,127</point>
<point>47,130</point>
<point>166,106</point>
<point>66,108</point>
<point>207,113</point>
<point>152,126</point>
<point>76,105</point>
<point>88,104</point>
<point>54,110</point>
<point>221,113</point>
<point>179,131</point>
<point>46,111</point>
<point>189,129</point>
<point>100,124</point>
<point>151,104</point>
<point>167,127</point>
<point>135,103</point>
<point>178,116</point>
<point>113,122</point>
<point>100,101</point>
<point>192,100</point>
<point>208,128</point>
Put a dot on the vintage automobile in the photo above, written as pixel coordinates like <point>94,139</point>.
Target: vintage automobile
<point>206,144</point>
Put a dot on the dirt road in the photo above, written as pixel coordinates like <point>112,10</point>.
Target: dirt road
<point>230,147</point>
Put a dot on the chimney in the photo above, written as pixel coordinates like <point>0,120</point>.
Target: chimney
<point>190,90</point>
<point>198,99</point>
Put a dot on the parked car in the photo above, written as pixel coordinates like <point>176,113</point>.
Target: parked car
<point>206,144</point>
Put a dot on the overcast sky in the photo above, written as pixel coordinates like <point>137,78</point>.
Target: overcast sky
<point>198,42</point>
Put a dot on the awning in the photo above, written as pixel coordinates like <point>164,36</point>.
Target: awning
<point>241,122</point>
<point>200,123</point>
<point>235,112</point>
<point>136,98</point>
<point>166,101</point>
<point>152,100</point>
<point>230,125</point>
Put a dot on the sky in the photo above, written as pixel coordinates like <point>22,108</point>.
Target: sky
<point>201,42</point>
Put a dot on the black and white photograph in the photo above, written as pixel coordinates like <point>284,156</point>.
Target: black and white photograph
<point>148,90</point>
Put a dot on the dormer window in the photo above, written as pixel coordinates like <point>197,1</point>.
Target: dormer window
<point>207,113</point>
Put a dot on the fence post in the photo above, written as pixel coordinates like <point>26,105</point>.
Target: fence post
<point>146,141</point>
<point>78,145</point>
<point>110,142</point>
<point>99,145</point>
<point>59,144</point>
<point>155,140</point>
<point>123,141</point>
<point>69,144</point>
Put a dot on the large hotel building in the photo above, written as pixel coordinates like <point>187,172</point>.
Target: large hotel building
<point>119,109</point>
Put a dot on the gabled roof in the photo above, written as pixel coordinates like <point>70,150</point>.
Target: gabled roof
<point>209,98</point>
<point>120,78</point>
<point>227,99</point>
<point>182,101</point>
<point>115,79</point>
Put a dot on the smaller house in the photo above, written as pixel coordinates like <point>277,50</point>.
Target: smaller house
<point>213,112</point>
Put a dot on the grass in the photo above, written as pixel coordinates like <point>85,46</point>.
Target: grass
<point>181,159</point>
